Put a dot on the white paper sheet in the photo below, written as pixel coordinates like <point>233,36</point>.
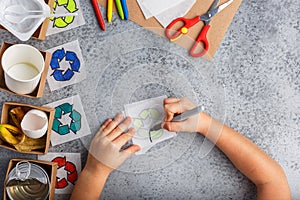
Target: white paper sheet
<point>166,17</point>
<point>60,24</point>
<point>146,114</point>
<point>67,66</point>
<point>165,11</point>
<point>146,12</point>
<point>69,167</point>
<point>158,6</point>
<point>69,122</point>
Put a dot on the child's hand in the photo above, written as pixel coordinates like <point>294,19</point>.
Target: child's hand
<point>174,106</point>
<point>105,147</point>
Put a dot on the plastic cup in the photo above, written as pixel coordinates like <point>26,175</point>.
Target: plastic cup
<point>25,29</point>
<point>22,65</point>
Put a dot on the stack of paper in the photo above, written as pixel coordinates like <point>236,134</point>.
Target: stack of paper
<point>165,11</point>
<point>145,114</point>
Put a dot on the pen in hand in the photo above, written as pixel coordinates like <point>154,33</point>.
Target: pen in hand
<point>181,117</point>
<point>187,114</point>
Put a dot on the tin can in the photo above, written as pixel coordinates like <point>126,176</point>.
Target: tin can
<point>27,181</point>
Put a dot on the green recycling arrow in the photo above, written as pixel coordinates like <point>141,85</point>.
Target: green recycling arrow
<point>70,6</point>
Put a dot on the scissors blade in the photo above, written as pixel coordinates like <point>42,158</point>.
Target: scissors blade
<point>212,12</point>
<point>224,5</point>
<point>214,5</point>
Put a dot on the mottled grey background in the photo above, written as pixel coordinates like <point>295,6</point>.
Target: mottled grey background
<point>252,84</point>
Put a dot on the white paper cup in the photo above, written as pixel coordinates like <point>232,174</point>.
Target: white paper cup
<point>22,65</point>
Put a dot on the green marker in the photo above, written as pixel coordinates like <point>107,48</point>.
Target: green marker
<point>120,9</point>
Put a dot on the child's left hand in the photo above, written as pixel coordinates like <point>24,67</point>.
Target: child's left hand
<point>106,145</point>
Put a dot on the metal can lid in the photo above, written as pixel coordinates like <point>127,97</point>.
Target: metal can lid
<point>27,181</point>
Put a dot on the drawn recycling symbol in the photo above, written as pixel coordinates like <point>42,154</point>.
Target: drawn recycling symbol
<point>147,118</point>
<point>70,6</point>
<point>64,129</point>
<point>57,58</point>
<point>71,170</point>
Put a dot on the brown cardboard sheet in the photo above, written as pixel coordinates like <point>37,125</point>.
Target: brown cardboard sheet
<point>219,23</point>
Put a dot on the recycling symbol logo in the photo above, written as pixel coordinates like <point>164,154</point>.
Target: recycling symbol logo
<point>146,119</point>
<point>71,171</point>
<point>66,110</point>
<point>68,5</point>
<point>58,57</point>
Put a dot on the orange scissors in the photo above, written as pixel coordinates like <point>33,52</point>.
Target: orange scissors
<point>188,23</point>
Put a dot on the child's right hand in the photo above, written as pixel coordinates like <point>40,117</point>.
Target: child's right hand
<point>175,106</point>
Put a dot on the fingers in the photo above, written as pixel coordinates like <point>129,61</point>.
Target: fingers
<point>173,126</point>
<point>171,100</point>
<point>121,128</point>
<point>113,124</point>
<point>171,109</point>
<point>103,126</point>
<point>176,106</point>
<point>130,151</point>
<point>122,139</point>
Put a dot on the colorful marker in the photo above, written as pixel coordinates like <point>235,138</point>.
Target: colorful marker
<point>120,9</point>
<point>98,14</point>
<point>109,10</point>
<point>125,9</point>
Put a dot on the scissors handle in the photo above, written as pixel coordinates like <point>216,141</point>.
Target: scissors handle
<point>201,39</point>
<point>187,23</point>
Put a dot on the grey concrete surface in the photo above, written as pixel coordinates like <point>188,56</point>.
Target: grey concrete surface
<point>252,84</point>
